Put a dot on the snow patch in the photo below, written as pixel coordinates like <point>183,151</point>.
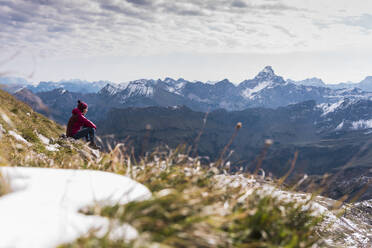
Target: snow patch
<point>6,119</point>
<point>46,142</point>
<point>20,89</point>
<point>139,88</point>
<point>248,93</point>
<point>110,89</point>
<point>53,148</point>
<point>43,139</point>
<point>19,137</point>
<point>329,108</point>
<point>175,87</point>
<point>43,209</point>
<point>361,124</point>
<point>340,126</point>
<point>2,131</point>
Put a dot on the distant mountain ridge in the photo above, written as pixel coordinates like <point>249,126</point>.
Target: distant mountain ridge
<point>13,84</point>
<point>266,90</point>
<point>74,85</point>
<point>83,86</point>
<point>365,84</point>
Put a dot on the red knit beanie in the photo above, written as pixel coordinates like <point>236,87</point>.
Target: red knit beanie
<point>82,105</point>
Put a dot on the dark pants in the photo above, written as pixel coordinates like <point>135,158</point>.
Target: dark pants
<point>87,132</point>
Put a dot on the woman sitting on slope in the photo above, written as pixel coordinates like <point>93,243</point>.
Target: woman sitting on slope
<point>78,120</point>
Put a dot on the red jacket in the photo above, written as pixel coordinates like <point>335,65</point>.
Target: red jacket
<point>76,121</point>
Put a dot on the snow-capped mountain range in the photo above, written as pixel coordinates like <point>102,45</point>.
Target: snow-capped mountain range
<point>265,90</point>
<point>253,88</point>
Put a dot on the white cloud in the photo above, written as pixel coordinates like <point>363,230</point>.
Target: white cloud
<point>87,28</point>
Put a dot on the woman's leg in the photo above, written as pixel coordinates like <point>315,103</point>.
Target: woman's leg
<point>91,134</point>
<point>88,133</point>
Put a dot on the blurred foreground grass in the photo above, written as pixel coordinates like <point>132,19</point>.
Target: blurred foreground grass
<point>195,206</point>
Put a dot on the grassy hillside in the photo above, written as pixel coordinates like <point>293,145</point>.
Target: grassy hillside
<point>30,139</point>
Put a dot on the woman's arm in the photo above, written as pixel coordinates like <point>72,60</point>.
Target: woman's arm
<point>87,123</point>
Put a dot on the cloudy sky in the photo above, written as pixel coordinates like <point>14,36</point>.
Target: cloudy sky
<point>122,40</point>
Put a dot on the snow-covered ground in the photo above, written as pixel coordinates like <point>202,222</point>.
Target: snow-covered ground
<point>43,208</point>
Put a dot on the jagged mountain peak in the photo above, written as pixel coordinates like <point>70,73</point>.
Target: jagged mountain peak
<point>368,78</point>
<point>266,72</point>
<point>266,75</point>
<point>268,69</point>
<point>224,81</point>
<point>139,88</point>
<point>169,80</point>
<point>182,80</point>
<point>366,82</point>
<point>265,80</point>
<point>109,89</point>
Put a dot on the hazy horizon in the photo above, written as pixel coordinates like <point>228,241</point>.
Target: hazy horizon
<point>209,40</point>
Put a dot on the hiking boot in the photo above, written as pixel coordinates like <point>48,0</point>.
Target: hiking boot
<point>93,145</point>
